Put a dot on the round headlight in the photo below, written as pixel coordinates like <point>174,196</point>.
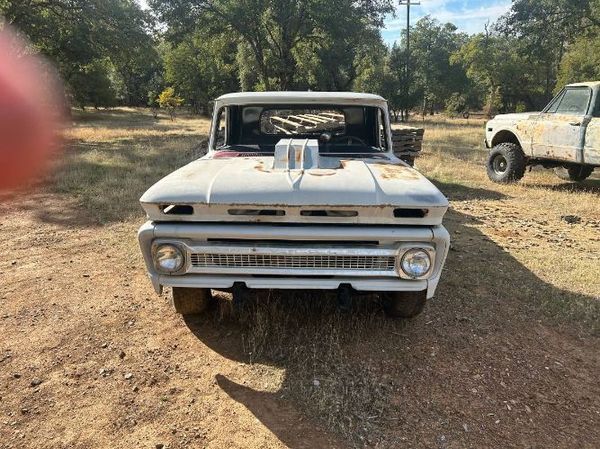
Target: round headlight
<point>416,263</point>
<point>169,258</point>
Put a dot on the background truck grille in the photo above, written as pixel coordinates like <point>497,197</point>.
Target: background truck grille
<point>320,262</point>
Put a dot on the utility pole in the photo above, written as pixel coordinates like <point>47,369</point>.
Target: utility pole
<point>408,4</point>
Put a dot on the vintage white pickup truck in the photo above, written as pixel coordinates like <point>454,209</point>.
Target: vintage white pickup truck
<point>298,190</point>
<point>565,136</point>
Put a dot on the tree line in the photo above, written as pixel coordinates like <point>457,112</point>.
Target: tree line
<point>113,52</point>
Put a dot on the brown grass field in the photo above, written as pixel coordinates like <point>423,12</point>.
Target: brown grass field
<point>507,355</point>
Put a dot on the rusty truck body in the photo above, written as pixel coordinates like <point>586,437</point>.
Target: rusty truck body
<point>565,137</point>
<point>298,190</point>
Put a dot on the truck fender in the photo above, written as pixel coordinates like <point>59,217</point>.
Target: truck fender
<point>506,135</point>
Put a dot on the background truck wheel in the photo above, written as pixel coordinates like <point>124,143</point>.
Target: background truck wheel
<point>575,173</point>
<point>190,301</point>
<point>403,304</point>
<point>506,163</point>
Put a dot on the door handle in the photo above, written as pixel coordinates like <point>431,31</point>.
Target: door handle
<point>575,123</point>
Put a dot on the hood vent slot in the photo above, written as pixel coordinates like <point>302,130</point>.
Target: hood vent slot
<point>329,213</point>
<point>410,213</point>
<point>255,212</point>
<point>177,209</point>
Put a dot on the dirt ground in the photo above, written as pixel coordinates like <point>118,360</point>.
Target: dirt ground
<point>507,355</point>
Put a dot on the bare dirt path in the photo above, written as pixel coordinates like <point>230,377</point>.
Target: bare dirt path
<point>505,356</point>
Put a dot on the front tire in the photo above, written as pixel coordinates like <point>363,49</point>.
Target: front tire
<point>506,163</point>
<point>191,301</point>
<point>403,304</point>
<point>574,173</point>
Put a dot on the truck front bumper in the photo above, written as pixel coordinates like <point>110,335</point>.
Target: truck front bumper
<point>263,256</point>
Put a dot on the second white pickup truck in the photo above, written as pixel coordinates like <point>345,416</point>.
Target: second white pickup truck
<point>565,137</point>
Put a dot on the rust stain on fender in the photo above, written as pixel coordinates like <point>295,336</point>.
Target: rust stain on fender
<point>592,142</point>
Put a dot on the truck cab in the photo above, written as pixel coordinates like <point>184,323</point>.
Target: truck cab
<point>565,137</point>
<point>298,190</point>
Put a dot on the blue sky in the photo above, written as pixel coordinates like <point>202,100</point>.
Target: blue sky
<point>468,15</point>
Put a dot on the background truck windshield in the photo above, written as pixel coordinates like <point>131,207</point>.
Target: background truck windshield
<point>339,129</point>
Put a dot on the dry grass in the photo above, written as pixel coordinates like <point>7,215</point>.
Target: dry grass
<point>113,156</point>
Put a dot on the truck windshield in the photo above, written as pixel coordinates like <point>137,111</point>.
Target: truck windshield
<point>338,129</point>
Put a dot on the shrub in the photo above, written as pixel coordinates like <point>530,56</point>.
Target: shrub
<point>169,101</point>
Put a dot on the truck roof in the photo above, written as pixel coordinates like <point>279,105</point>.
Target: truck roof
<point>342,98</point>
<point>585,84</point>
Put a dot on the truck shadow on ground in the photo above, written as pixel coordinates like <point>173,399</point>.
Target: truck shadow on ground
<point>589,185</point>
<point>490,338</point>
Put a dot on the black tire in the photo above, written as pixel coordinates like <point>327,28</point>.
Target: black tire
<point>506,163</point>
<point>191,301</point>
<point>403,304</point>
<point>575,173</point>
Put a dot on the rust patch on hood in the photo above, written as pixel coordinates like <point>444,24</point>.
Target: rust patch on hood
<point>321,172</point>
<point>261,167</point>
<point>390,171</point>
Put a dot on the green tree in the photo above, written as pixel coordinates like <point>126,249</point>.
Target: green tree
<point>456,104</point>
<point>202,67</point>
<point>83,37</point>
<point>382,72</point>
<point>92,85</point>
<point>370,66</point>
<point>275,36</point>
<point>494,64</point>
<point>394,83</point>
<point>580,63</point>
<point>435,75</point>
<point>544,29</point>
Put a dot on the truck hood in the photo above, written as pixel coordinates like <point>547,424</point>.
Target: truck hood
<point>376,190</point>
<point>516,116</point>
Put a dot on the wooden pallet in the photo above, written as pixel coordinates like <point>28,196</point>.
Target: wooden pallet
<point>305,123</point>
<point>407,140</point>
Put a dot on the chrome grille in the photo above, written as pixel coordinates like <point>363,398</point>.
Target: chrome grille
<point>319,262</point>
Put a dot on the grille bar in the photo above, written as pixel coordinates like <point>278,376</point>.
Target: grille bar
<point>310,262</point>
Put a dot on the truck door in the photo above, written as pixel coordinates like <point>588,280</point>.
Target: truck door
<point>559,132</point>
<point>591,150</point>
